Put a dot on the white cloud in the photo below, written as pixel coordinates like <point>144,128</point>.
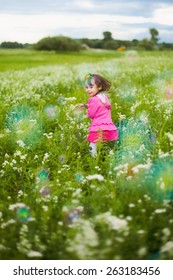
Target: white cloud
<point>164,15</point>
<point>84,4</point>
<point>32,27</point>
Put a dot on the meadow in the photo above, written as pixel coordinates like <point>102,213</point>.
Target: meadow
<point>58,202</point>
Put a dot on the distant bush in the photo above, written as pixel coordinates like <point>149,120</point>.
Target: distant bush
<point>11,45</point>
<point>58,43</point>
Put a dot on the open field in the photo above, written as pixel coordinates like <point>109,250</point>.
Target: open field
<point>23,59</point>
<point>56,201</point>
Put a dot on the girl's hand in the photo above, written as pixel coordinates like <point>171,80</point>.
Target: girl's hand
<point>81,106</point>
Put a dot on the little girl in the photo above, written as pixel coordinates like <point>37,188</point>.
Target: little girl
<point>102,128</point>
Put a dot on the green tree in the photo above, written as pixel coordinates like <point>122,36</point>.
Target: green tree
<point>154,35</point>
<point>107,36</point>
<point>108,42</point>
<point>58,43</point>
<point>11,45</point>
<point>146,44</point>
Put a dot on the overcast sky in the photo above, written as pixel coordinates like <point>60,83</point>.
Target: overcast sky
<point>28,21</point>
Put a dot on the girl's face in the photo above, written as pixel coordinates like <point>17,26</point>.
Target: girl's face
<point>91,88</point>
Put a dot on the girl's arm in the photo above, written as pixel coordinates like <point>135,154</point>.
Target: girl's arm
<point>80,106</point>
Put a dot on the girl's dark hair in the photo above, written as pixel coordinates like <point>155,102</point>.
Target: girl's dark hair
<point>99,81</point>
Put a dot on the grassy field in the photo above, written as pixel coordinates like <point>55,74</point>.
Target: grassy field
<point>56,201</point>
<point>23,59</point>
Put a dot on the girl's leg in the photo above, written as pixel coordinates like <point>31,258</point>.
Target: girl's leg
<point>93,149</point>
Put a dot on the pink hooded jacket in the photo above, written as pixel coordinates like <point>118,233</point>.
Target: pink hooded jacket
<point>100,114</point>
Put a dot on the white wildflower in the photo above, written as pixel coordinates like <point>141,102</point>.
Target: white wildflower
<point>85,239</point>
<point>16,205</point>
<point>2,247</point>
<point>2,172</point>
<point>45,208</point>
<point>21,143</point>
<point>142,252</point>
<point>97,167</point>
<point>167,247</point>
<point>129,218</point>
<point>70,98</point>
<point>166,232</point>
<point>17,153</point>
<point>160,211</point>
<point>121,116</point>
<point>74,201</point>
<point>5,163</point>
<point>34,254</point>
<point>77,192</point>
<point>141,231</point>
<point>161,183</point>
<point>13,161</point>
<point>136,168</point>
<point>20,193</point>
<point>11,221</point>
<point>112,221</point>
<point>132,109</point>
<point>170,136</point>
<point>46,156</point>
<point>131,205</point>
<point>144,118</point>
<point>162,154</point>
<point>98,177</point>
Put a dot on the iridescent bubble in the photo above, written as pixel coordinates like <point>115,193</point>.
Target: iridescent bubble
<point>131,55</point>
<point>134,141</point>
<point>23,214</point>
<point>61,100</point>
<point>160,180</point>
<point>163,84</point>
<point>83,70</point>
<point>134,148</point>
<point>72,216</point>
<point>52,111</point>
<point>126,93</point>
<point>42,175</point>
<point>78,114</point>
<point>79,177</point>
<point>45,191</point>
<point>62,158</point>
<point>22,120</point>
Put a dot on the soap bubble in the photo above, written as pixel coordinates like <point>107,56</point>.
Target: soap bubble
<point>131,55</point>
<point>160,180</point>
<point>51,111</point>
<point>134,141</point>
<point>61,100</point>
<point>42,175</point>
<point>62,158</point>
<point>45,191</point>
<point>79,177</point>
<point>23,214</point>
<point>163,84</point>
<point>22,120</point>
<point>72,216</point>
<point>78,114</point>
<point>126,93</point>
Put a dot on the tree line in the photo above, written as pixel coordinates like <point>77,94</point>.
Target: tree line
<point>63,43</point>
